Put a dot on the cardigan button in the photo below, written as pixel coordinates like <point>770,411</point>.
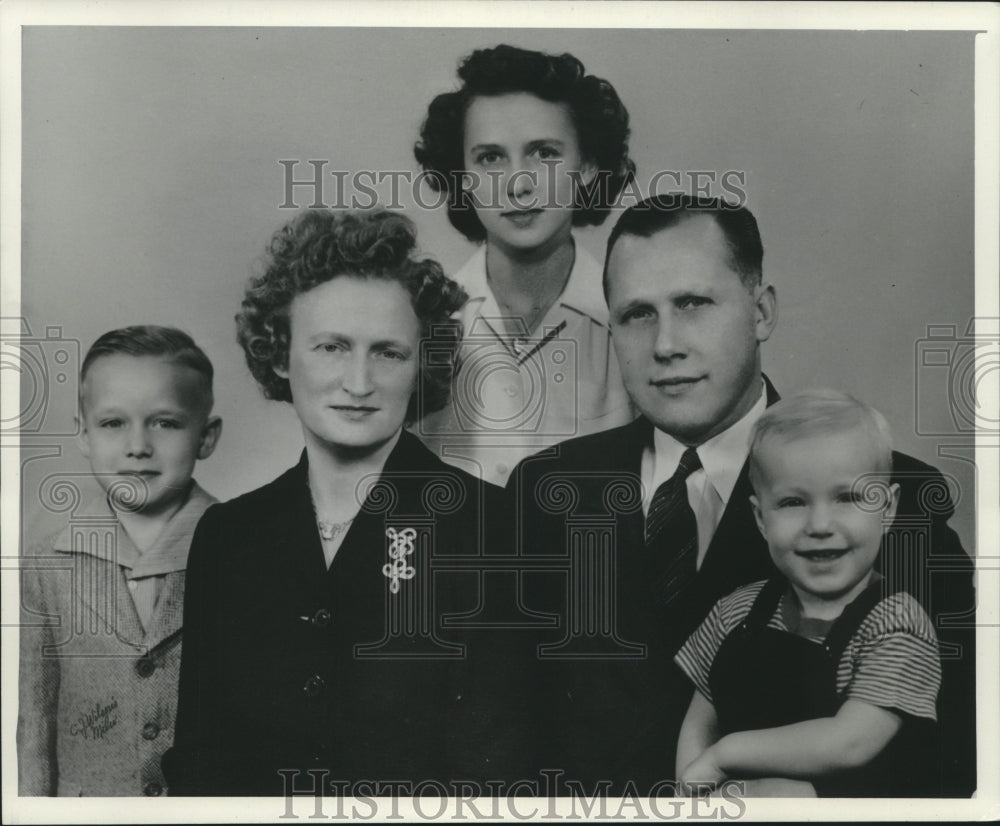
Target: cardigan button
<point>321,619</point>
<point>313,686</point>
<point>153,790</point>
<point>145,667</point>
<point>150,731</point>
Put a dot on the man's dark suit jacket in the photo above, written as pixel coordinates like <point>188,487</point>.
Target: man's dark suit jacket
<point>616,718</point>
<point>289,666</point>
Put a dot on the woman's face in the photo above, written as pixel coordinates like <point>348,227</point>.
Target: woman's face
<point>352,361</point>
<point>521,154</point>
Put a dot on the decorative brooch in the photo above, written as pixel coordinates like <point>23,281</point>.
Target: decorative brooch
<point>400,546</point>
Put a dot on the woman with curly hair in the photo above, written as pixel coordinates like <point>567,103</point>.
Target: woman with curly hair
<point>527,148</point>
<point>313,632</point>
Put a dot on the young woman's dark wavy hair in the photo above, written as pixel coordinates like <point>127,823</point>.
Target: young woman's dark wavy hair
<point>320,245</point>
<point>599,116</point>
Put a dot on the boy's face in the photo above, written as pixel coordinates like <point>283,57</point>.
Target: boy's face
<point>519,151</point>
<point>145,417</point>
<point>822,533</point>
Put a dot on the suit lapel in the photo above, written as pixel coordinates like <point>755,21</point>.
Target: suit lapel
<point>168,614</point>
<point>169,559</point>
<point>127,624</point>
<point>291,547</point>
<point>769,391</point>
<point>396,495</point>
<point>633,561</point>
<point>737,553</point>
<point>736,544</point>
<point>400,498</point>
<point>101,602</point>
<point>636,436</point>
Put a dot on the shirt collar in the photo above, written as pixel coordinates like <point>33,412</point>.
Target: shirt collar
<point>583,292</point>
<point>168,554</point>
<point>722,456</point>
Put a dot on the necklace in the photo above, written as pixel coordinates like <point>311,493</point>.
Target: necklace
<point>329,531</point>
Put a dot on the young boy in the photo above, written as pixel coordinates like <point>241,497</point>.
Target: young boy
<point>818,674</point>
<point>102,600</point>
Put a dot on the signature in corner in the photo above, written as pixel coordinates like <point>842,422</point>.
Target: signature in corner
<point>97,721</point>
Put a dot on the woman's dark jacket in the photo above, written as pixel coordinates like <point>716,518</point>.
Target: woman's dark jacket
<point>288,667</point>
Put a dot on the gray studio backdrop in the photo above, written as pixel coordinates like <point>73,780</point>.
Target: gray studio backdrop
<point>151,183</point>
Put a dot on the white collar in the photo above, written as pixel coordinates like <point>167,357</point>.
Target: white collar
<point>722,456</point>
<point>583,292</point>
<point>168,553</point>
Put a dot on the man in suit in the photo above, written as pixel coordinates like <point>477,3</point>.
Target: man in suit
<point>655,515</point>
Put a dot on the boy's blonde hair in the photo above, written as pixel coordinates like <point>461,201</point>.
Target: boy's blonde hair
<point>153,340</point>
<point>818,413</point>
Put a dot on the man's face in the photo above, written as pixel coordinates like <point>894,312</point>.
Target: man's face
<point>686,329</point>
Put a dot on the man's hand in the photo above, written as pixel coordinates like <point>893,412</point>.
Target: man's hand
<point>703,769</point>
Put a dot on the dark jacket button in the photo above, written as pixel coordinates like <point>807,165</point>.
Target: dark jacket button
<point>153,790</point>
<point>150,731</point>
<point>145,667</point>
<point>313,686</point>
<point>321,618</point>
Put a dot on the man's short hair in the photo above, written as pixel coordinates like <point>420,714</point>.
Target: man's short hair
<point>139,340</point>
<point>661,212</point>
<point>815,413</point>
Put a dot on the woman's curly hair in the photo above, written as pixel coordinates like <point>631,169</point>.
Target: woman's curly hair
<point>320,245</point>
<point>600,118</point>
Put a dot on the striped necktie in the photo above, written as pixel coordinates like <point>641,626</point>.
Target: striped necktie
<point>672,533</point>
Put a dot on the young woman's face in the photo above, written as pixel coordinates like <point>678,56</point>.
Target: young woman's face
<point>352,361</point>
<point>523,164</point>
